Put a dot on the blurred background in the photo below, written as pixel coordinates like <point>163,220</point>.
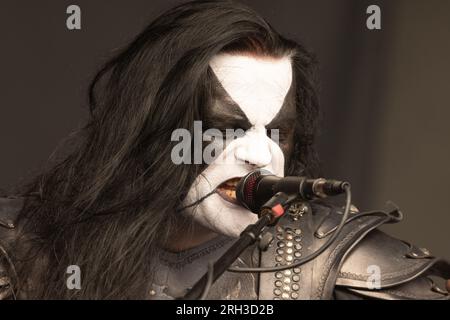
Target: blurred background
<point>384,92</point>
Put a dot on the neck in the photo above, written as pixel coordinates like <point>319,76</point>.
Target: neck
<point>188,235</point>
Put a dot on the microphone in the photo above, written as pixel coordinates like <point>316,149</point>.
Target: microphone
<point>259,186</point>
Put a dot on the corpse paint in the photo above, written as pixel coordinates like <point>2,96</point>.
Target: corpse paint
<point>193,310</point>
<point>254,98</point>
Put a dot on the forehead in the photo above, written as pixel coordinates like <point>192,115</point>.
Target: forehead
<point>258,85</point>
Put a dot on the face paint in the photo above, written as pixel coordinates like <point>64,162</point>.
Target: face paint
<point>252,95</point>
<point>257,85</point>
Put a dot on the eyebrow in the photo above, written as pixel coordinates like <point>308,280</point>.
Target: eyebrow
<point>230,116</point>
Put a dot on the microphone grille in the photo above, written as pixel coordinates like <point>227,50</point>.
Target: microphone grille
<point>246,188</point>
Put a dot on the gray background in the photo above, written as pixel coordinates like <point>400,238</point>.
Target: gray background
<point>384,93</point>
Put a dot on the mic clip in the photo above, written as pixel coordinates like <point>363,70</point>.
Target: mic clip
<point>276,206</point>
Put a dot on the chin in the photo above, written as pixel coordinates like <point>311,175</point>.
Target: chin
<point>222,216</point>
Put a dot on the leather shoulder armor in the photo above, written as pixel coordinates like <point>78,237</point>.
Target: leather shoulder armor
<point>360,258</point>
<point>9,211</point>
<point>383,267</point>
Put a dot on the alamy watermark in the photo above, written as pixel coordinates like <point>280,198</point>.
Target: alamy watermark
<point>191,148</point>
<point>73,21</point>
<point>373,22</point>
<point>74,279</point>
<point>374,279</point>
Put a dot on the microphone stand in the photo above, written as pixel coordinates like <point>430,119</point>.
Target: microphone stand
<point>269,214</point>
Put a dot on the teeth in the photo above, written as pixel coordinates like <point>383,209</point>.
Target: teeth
<point>228,188</point>
<point>231,193</point>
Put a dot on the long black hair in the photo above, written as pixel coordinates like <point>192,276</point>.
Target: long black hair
<point>112,201</point>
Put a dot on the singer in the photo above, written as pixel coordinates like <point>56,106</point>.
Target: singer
<point>140,226</point>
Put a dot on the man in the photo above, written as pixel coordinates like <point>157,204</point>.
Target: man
<point>138,224</point>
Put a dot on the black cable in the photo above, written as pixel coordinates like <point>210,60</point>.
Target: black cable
<point>198,200</point>
<point>315,253</point>
<point>209,281</point>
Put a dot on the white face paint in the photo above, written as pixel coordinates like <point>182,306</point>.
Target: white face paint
<point>259,86</point>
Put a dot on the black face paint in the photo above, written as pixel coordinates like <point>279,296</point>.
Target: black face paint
<point>224,113</point>
<point>285,122</point>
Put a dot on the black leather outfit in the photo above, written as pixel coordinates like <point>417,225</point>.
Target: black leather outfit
<point>344,271</point>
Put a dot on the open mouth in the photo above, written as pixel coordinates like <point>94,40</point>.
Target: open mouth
<point>227,190</point>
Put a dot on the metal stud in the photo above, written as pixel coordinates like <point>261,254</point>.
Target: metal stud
<point>294,295</point>
<point>278,259</point>
<point>285,295</point>
<point>280,251</point>
<point>295,287</point>
<point>289,244</point>
<point>289,258</point>
<point>297,270</point>
<point>280,244</point>
<point>277,292</point>
<point>297,254</point>
<point>278,283</point>
<point>287,272</point>
<point>296,278</point>
<point>297,209</point>
<point>278,275</point>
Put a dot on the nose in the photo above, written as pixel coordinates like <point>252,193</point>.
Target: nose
<point>254,150</point>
